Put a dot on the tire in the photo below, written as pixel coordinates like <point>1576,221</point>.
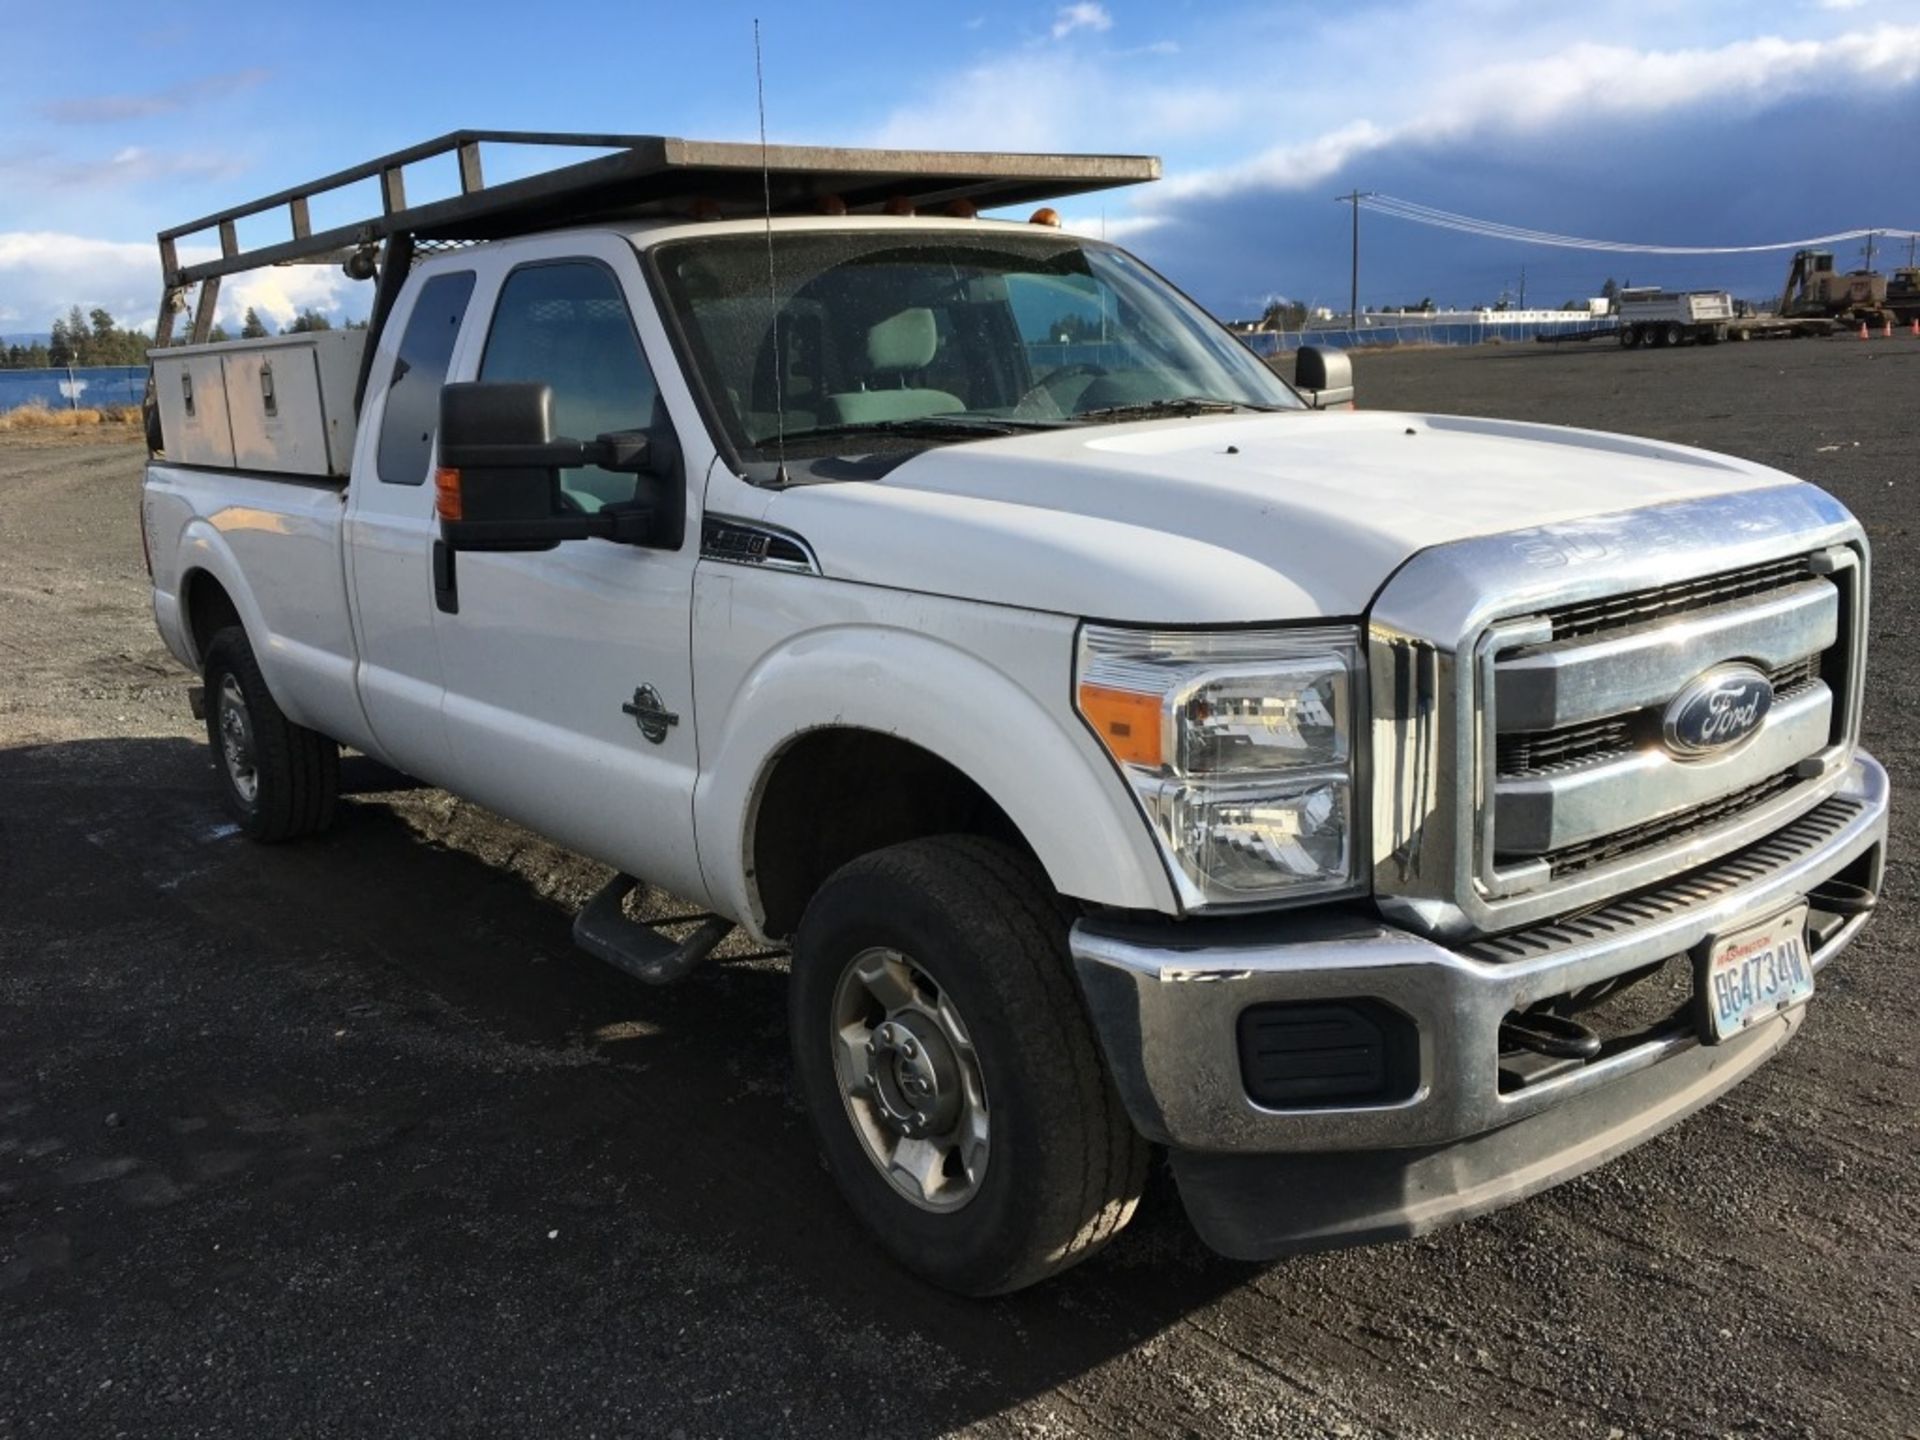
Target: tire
<point>279,779</point>
<point>1629,338</point>
<point>1060,1168</point>
<point>1676,336</point>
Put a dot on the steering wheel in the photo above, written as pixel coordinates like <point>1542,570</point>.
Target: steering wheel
<point>1045,383</point>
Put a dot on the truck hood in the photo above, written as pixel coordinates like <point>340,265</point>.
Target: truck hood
<point>1226,519</point>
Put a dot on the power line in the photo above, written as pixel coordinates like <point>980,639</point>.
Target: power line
<point>1420,214</point>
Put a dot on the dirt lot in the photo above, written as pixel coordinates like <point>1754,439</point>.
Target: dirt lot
<point>346,1139</point>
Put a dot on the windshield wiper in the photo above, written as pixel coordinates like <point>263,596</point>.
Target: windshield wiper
<point>1178,405</point>
<point>966,427</point>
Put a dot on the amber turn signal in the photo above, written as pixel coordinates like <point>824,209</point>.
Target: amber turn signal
<point>446,493</point>
<point>1127,722</point>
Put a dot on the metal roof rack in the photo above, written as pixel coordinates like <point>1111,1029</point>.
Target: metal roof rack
<point>647,175</point>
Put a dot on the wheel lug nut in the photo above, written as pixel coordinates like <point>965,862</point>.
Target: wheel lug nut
<point>913,1050</point>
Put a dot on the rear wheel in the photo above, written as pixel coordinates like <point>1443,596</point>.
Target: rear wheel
<point>1629,337</point>
<point>280,779</point>
<point>1676,335</point>
<point>950,1071</point>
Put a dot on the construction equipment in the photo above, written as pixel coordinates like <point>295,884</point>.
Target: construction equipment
<point>1903,295</point>
<point>1815,288</point>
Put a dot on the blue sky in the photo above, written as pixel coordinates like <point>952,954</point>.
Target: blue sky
<point>1719,121</point>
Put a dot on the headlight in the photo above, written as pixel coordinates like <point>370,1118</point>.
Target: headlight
<point>1240,746</point>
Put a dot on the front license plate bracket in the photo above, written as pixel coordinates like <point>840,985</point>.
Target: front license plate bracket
<point>1749,975</point>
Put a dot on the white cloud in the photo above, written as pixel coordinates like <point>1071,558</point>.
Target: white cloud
<point>1084,16</point>
<point>41,170</point>
<point>1117,228</point>
<point>1840,4</point>
<point>1050,100</point>
<point>120,109</point>
<point>1587,82</point>
<point>42,273</point>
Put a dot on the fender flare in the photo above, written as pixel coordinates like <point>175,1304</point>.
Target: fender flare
<point>1054,783</point>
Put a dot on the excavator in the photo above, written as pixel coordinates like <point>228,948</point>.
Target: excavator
<point>1815,288</point>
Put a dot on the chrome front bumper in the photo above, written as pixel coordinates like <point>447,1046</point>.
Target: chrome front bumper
<point>1166,1000</point>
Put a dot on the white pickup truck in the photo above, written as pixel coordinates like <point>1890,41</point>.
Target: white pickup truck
<point>1386,816</point>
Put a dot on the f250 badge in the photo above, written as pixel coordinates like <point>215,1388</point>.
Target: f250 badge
<point>1717,711</point>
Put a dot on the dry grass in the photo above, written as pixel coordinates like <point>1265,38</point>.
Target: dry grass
<point>37,415</point>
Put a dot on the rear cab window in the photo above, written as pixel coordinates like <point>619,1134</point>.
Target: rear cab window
<point>419,372</point>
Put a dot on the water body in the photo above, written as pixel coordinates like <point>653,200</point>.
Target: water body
<point>77,388</point>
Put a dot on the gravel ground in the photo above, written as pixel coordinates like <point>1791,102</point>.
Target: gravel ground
<point>344,1138</point>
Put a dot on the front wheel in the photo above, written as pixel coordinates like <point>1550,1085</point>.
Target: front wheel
<point>280,779</point>
<point>949,1068</point>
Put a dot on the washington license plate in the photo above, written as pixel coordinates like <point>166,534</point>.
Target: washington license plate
<point>1755,974</point>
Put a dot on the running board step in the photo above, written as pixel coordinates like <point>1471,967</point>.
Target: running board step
<point>603,930</point>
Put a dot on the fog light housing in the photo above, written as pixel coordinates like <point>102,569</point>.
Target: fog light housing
<point>1303,1055</point>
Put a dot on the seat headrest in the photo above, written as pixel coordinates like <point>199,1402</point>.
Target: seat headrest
<point>903,342</point>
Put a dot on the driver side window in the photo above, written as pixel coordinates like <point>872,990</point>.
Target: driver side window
<point>567,324</point>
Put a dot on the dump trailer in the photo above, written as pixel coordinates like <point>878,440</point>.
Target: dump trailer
<point>1652,316</point>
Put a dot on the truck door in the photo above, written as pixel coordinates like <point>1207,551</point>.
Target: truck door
<point>392,535</point>
<point>569,686</point>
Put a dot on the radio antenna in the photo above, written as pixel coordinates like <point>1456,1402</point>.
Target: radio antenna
<point>773,294</point>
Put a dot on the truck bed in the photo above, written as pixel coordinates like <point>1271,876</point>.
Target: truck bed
<point>206,529</point>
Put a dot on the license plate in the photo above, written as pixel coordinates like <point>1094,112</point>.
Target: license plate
<point>1754,974</point>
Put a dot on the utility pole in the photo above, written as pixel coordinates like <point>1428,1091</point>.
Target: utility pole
<point>1523,287</point>
<point>1354,199</point>
<point>1870,235</point>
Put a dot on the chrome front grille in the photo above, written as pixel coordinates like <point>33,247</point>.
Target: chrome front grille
<point>1576,694</point>
<point>1618,612</point>
<point>1540,752</point>
<point>1519,684</point>
<point>1571,859</point>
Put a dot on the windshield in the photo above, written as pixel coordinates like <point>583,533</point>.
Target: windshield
<point>904,340</point>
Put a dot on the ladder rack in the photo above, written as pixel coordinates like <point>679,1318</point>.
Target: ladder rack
<point>645,176</point>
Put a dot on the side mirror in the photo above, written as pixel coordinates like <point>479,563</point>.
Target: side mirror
<point>1325,377</point>
<point>498,485</point>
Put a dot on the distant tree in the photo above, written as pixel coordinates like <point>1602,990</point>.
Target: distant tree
<point>218,335</point>
<point>1610,291</point>
<point>356,324</point>
<point>308,321</point>
<point>252,327</point>
<point>1283,315</point>
<point>60,346</point>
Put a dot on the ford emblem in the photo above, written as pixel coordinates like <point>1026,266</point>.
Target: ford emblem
<point>1717,711</point>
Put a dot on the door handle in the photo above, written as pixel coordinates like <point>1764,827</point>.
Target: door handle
<point>446,590</point>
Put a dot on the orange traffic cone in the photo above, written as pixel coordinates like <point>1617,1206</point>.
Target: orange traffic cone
<point>1916,326</point>
<point>1863,329</point>
<point>1886,329</point>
